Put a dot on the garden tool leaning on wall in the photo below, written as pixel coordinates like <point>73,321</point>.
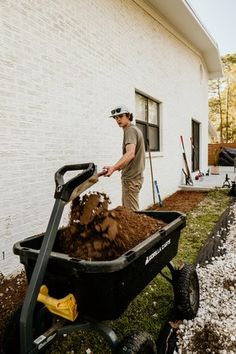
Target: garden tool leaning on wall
<point>187,174</point>
<point>154,183</point>
<point>152,180</point>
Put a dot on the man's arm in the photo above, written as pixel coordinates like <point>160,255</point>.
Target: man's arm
<point>124,160</point>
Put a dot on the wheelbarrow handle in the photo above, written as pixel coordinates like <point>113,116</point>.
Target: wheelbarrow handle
<point>64,190</point>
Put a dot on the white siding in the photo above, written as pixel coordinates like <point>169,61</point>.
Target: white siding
<point>63,66</point>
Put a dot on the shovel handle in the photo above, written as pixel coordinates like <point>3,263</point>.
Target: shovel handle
<point>64,190</point>
<point>102,173</point>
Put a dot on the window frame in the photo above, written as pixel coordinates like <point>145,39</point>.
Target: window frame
<point>146,124</point>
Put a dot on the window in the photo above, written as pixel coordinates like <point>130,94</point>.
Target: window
<point>147,120</point>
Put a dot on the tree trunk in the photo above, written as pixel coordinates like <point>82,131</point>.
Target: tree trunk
<point>220,112</point>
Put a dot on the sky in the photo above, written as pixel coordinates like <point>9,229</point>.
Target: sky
<point>219,18</point>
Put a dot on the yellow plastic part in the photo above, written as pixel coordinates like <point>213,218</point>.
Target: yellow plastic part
<point>65,307</point>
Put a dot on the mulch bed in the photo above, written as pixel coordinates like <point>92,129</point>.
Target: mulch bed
<point>12,292</point>
<point>183,201</point>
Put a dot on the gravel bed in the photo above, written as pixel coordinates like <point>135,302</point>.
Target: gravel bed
<point>213,330</point>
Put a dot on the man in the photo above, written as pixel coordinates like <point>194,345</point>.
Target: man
<point>132,162</point>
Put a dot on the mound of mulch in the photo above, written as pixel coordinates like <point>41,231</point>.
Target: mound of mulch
<point>183,201</point>
<point>96,233</point>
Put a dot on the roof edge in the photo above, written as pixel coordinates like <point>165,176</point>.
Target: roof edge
<point>181,17</point>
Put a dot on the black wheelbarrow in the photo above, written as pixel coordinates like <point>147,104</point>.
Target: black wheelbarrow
<point>85,293</point>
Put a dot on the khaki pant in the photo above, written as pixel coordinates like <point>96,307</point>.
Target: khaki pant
<point>130,193</point>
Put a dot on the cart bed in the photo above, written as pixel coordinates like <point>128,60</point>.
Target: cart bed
<point>104,289</point>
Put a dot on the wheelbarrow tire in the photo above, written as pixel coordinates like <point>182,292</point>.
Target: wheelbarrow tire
<point>186,290</point>
<point>138,343</point>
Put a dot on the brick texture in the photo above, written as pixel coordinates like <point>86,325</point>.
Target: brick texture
<point>63,66</point>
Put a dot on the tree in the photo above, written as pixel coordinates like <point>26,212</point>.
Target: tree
<point>222,100</point>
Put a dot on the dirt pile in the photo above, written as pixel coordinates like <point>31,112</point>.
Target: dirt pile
<point>96,233</point>
<point>183,201</point>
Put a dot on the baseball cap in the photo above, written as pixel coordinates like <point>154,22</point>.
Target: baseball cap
<point>119,110</point>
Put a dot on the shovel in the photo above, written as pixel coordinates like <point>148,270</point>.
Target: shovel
<point>152,180</point>
<point>87,184</point>
<point>158,194</point>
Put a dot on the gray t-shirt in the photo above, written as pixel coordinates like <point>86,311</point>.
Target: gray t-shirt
<point>135,168</point>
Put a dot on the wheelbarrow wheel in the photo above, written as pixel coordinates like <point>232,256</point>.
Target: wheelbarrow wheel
<point>186,290</point>
<point>138,343</point>
<point>11,337</point>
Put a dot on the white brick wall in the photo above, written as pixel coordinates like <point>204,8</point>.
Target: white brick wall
<point>63,65</point>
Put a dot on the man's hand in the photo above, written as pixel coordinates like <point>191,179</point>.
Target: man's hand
<point>125,159</point>
<point>109,170</point>
<point>102,173</point>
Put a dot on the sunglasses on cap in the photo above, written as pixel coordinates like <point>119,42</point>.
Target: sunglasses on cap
<point>117,110</point>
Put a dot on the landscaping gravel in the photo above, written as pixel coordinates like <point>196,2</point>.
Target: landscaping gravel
<point>213,330</point>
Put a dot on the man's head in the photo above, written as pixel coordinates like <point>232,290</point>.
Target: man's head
<point>120,111</point>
